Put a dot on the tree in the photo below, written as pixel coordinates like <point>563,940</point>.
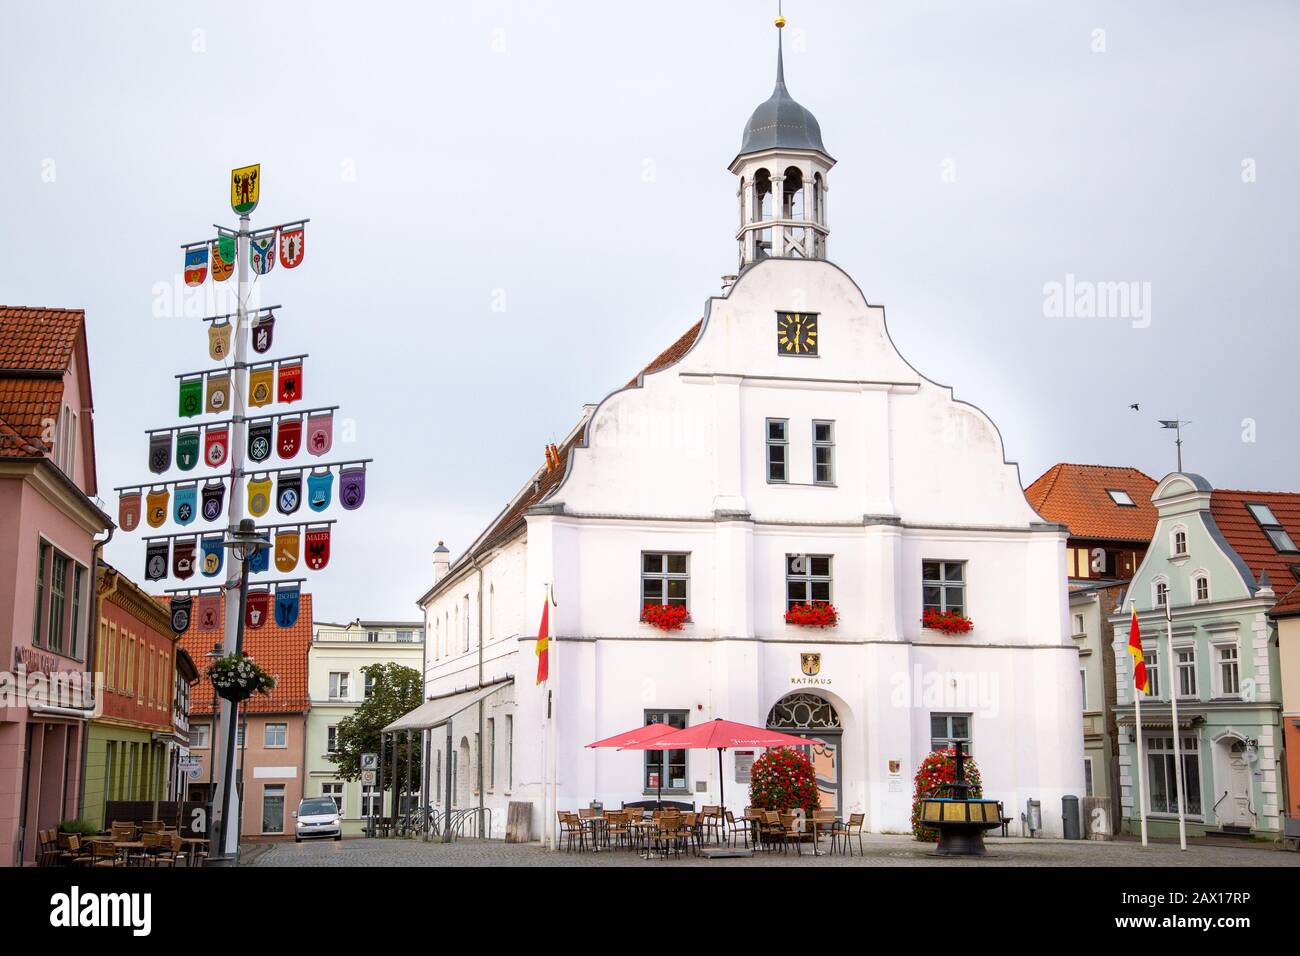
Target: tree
<point>395,691</point>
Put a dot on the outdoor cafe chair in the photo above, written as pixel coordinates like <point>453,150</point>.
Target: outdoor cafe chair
<point>123,832</point>
<point>619,829</point>
<point>709,819</point>
<point>104,854</point>
<point>71,852</point>
<point>571,829</point>
<point>167,849</point>
<point>790,823</point>
<point>736,829</point>
<point>824,822</point>
<point>48,851</point>
<point>669,835</point>
<point>847,830</point>
<point>771,831</point>
<point>151,826</point>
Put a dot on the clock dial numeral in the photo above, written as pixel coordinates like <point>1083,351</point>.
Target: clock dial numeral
<point>796,333</point>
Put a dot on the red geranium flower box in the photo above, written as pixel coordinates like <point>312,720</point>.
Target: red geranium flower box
<point>817,614</point>
<point>948,622</point>
<point>666,617</point>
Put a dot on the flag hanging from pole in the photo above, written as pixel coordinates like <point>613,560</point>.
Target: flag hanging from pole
<point>1141,680</point>
<point>222,264</point>
<point>544,642</point>
<point>196,265</point>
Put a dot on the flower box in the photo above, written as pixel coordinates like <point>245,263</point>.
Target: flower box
<point>947,622</point>
<point>817,614</point>
<point>666,617</point>
<point>238,677</point>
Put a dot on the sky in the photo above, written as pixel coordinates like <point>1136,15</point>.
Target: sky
<point>515,205</point>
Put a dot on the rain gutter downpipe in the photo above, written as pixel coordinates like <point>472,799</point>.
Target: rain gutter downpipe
<point>92,648</point>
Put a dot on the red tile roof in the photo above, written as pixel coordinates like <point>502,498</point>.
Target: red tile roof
<point>280,651</point>
<point>544,481</point>
<point>1246,537</point>
<point>35,338</point>
<point>26,406</point>
<point>1076,496</point>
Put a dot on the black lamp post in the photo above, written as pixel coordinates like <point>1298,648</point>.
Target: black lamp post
<point>242,544</point>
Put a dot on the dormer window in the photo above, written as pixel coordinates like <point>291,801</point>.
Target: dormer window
<point>1269,524</point>
<point>1120,497</point>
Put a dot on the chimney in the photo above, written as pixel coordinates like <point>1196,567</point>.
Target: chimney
<point>441,562</point>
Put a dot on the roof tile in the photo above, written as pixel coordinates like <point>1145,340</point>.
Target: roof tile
<point>1077,496</point>
<point>1248,539</point>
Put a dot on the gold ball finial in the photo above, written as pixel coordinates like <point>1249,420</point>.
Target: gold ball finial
<point>780,22</point>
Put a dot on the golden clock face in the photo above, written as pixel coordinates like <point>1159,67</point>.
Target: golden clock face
<point>796,333</point>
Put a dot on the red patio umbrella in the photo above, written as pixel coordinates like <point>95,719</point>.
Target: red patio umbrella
<point>720,734</point>
<point>636,735</point>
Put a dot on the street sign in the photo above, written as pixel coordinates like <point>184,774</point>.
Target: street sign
<point>194,772</point>
<point>370,761</point>
<point>368,778</point>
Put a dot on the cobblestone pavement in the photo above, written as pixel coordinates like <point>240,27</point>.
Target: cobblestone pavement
<point>879,850</point>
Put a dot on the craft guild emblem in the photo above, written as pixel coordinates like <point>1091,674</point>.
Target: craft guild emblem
<point>810,664</point>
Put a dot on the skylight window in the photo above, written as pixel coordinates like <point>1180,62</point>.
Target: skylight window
<point>1262,514</point>
<point>1269,524</point>
<point>1120,497</point>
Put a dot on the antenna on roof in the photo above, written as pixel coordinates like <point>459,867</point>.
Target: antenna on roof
<point>1176,425</point>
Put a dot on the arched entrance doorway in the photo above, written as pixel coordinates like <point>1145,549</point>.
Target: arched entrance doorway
<point>815,718</point>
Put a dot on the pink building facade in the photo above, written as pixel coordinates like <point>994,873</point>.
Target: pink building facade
<point>50,527</point>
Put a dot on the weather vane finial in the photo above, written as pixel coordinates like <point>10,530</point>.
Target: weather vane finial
<point>780,19</point>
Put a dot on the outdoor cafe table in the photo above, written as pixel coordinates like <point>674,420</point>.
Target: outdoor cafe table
<point>599,827</point>
<point>192,846</point>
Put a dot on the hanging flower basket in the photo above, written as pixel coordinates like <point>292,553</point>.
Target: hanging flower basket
<point>817,614</point>
<point>238,677</point>
<point>666,617</point>
<point>939,768</point>
<point>948,622</point>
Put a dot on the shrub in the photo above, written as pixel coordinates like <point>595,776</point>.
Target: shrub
<point>937,769</point>
<point>784,780</point>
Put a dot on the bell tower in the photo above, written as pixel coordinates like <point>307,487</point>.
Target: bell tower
<point>782,167</point>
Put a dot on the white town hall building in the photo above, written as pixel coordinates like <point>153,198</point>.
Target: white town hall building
<point>781,451</point>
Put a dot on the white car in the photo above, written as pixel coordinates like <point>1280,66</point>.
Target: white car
<point>317,817</point>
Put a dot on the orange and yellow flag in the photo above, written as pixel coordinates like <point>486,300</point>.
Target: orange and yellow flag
<point>543,642</point>
<point>1141,680</point>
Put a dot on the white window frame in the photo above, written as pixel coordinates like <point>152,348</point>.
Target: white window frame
<point>1089,778</point>
<point>948,716</point>
<point>1218,688</point>
<point>200,736</point>
<point>943,583</point>
<point>283,732</point>
<point>807,579</point>
<point>1151,656</point>
<point>769,443</point>
<point>332,739</point>
<point>328,789</point>
<point>826,445</point>
<point>664,576</point>
<point>1156,584</point>
<point>1177,548</point>
<point>1199,575</point>
<point>340,689</point>
<point>1181,666</point>
<point>1083,681</point>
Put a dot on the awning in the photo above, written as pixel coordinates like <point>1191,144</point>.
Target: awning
<point>436,712</point>
<point>1160,721</point>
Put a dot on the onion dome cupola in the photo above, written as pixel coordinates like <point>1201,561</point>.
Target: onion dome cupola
<point>782,166</point>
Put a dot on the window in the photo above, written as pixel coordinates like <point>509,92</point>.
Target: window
<point>371,804</point>
<point>339,685</point>
<point>947,729</point>
<point>807,579</point>
<point>199,736</point>
<point>1269,524</point>
<point>42,559</point>
<point>404,637</point>
<point>239,735</point>
<point>332,739</point>
<point>1083,686</point>
<point>1180,543</point>
<point>465,636</point>
<point>78,582</point>
<point>273,808</point>
<point>1229,673</point>
<point>335,792</point>
<point>665,768</point>
<point>1186,671</point>
<point>943,586</point>
<point>824,453</point>
<point>510,751</point>
<point>1078,625</point>
<point>1087,777</point>
<point>777,445</point>
<point>1202,588</point>
<point>1152,660</point>
<point>1162,594</point>
<point>274,735</point>
<point>664,578</point>
<point>1120,497</point>
<point>491,753</point>
<point>372,637</point>
<point>369,685</point>
<point>1163,782</point>
<point>58,598</point>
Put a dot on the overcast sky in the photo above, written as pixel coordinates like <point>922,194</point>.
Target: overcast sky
<point>568,160</point>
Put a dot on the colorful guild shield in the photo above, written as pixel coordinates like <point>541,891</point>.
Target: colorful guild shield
<point>218,392</point>
<point>319,486</point>
<point>293,245</point>
<point>181,608</point>
<point>160,452</point>
<point>191,397</point>
<point>155,560</point>
<point>286,550</point>
<point>183,558</point>
<point>288,492</point>
<point>259,560</point>
<point>196,265</point>
<point>187,450</point>
<point>214,494</point>
<point>156,507</point>
<point>258,604</point>
<point>128,510</point>
<point>209,612</point>
<point>263,333</point>
<point>219,340</point>
<point>245,188</point>
<point>289,437</point>
<point>222,265</point>
<point>317,546</point>
<point>286,605</point>
<point>187,502</point>
<point>259,496</point>
<point>261,386</point>
<point>259,441</point>
<point>261,254</point>
<point>352,487</point>
<point>216,442</point>
<point>320,433</point>
<point>290,382</point>
<point>213,555</point>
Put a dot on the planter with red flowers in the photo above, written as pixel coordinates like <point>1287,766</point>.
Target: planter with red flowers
<point>666,617</point>
<point>946,622</point>
<point>817,614</point>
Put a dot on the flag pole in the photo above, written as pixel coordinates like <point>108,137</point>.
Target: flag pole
<point>1173,713</point>
<point>551,661</point>
<point>1137,725</point>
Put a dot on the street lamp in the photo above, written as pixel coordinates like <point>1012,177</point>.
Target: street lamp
<point>243,543</point>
